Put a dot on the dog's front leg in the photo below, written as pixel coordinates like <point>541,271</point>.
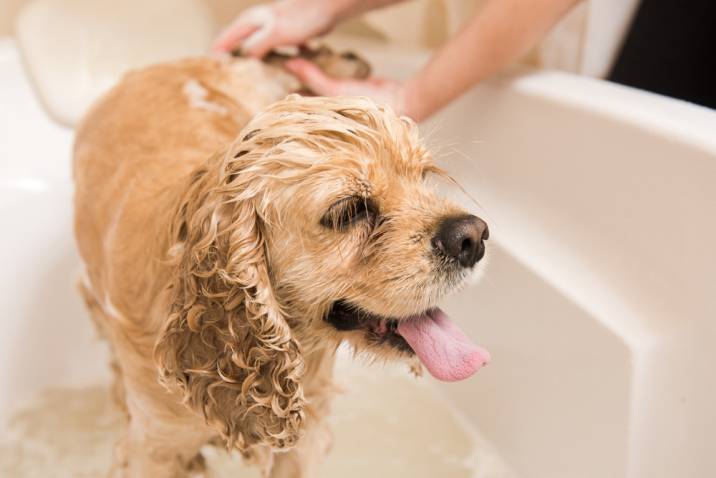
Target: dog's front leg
<point>159,444</point>
<point>303,460</point>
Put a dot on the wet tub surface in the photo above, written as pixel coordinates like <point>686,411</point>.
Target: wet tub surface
<point>386,424</point>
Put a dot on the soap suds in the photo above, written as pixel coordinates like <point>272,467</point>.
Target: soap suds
<point>198,98</point>
<point>110,309</point>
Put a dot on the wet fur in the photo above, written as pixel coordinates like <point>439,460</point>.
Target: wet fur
<point>208,268</point>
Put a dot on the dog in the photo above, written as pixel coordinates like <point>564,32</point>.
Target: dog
<point>234,234</point>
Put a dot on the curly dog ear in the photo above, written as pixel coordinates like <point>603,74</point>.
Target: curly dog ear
<point>226,344</point>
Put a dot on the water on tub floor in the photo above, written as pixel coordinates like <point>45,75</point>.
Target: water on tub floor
<point>387,424</point>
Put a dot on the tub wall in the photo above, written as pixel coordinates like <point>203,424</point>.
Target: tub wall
<point>46,337</point>
<point>601,199</point>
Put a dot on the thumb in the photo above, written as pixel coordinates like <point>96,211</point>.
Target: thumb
<point>252,29</point>
<point>313,77</point>
<point>232,36</point>
<point>260,42</point>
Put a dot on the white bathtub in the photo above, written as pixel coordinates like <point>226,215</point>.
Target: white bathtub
<point>599,301</point>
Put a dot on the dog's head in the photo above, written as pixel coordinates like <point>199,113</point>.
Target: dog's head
<point>320,224</point>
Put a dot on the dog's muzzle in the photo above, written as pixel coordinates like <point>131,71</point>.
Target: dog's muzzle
<point>462,239</point>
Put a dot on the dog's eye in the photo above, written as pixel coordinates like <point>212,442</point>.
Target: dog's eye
<point>347,212</point>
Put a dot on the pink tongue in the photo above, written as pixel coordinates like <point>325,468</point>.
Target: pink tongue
<point>446,352</point>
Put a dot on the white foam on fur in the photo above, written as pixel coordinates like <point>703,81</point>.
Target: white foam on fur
<point>197,96</point>
<point>110,309</point>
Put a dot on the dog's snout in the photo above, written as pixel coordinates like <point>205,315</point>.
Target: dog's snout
<point>462,238</point>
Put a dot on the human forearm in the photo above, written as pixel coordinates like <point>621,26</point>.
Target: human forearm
<point>498,35</point>
<point>345,9</point>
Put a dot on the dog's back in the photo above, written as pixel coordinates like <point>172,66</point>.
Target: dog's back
<point>134,148</point>
<point>134,154</point>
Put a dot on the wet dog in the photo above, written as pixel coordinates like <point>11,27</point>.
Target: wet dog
<point>233,237</point>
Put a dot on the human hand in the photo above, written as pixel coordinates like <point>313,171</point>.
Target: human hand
<point>382,90</point>
<point>263,27</point>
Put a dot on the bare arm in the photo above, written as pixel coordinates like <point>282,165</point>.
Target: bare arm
<point>498,35</point>
<point>345,9</point>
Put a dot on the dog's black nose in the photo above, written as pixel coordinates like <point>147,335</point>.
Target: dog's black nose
<point>462,238</point>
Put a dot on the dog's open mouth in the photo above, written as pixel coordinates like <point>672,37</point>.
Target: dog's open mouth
<point>379,330</point>
<point>442,347</point>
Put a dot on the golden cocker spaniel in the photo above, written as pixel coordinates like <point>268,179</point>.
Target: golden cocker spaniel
<point>234,236</point>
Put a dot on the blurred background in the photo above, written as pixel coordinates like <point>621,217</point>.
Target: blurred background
<point>81,45</point>
<point>586,41</point>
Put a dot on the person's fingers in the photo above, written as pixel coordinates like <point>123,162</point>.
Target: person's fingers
<point>261,42</point>
<point>265,37</point>
<point>383,91</point>
<point>314,78</point>
<point>253,30</point>
<point>232,36</point>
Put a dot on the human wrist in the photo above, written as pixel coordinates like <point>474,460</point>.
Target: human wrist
<point>342,10</point>
<point>315,16</point>
<point>411,102</point>
<point>334,11</point>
